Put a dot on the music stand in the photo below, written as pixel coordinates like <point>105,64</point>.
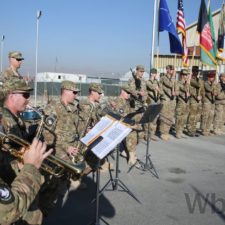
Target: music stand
<point>117,182</point>
<point>150,114</point>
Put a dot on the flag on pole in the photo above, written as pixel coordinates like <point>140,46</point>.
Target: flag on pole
<point>205,30</point>
<point>181,27</point>
<point>166,24</point>
<point>221,34</point>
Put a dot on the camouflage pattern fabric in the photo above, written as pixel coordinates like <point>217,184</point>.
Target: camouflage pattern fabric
<point>23,191</point>
<point>182,107</point>
<point>219,121</point>
<point>67,126</point>
<point>195,104</point>
<point>168,111</point>
<point>9,73</point>
<point>208,106</point>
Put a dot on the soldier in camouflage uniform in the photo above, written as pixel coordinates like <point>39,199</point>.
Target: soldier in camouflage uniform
<point>138,90</point>
<point>15,61</point>
<point>219,118</point>
<point>195,103</point>
<point>90,106</point>
<point>182,106</point>
<point>155,95</point>
<point>16,198</point>
<point>121,106</point>
<point>168,82</point>
<point>16,99</point>
<point>208,106</point>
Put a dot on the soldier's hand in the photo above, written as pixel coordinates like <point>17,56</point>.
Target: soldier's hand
<point>72,150</point>
<point>142,93</point>
<point>36,153</point>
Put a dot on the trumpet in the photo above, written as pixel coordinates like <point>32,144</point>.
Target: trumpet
<point>52,164</point>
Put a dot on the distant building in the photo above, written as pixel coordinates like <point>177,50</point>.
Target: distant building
<point>59,77</point>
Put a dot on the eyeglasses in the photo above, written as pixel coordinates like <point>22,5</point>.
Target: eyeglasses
<point>19,60</point>
<point>26,95</point>
<point>75,92</point>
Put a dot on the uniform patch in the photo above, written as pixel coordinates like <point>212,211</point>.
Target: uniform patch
<point>6,196</point>
<point>121,111</point>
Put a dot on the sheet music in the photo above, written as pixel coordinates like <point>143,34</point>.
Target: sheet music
<point>96,131</point>
<point>112,137</point>
<point>112,132</point>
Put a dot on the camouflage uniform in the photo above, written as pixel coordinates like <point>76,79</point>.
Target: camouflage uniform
<point>169,104</point>
<point>208,106</point>
<point>154,97</point>
<point>219,109</point>
<point>138,102</point>
<point>182,107</point>
<point>122,108</point>
<point>195,105</point>
<point>16,205</point>
<point>13,124</point>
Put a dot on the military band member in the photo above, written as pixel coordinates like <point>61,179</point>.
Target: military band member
<point>155,95</point>
<point>219,118</point>
<point>67,122</point>
<point>168,82</point>
<point>197,92</point>
<point>182,106</point>
<point>138,90</point>
<point>208,106</point>
<point>90,107</point>
<point>16,198</point>
<point>15,61</point>
<point>121,106</point>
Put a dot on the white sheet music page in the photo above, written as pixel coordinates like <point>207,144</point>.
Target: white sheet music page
<point>111,137</point>
<point>97,130</point>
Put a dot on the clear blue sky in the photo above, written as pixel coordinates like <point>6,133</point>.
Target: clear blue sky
<point>94,37</point>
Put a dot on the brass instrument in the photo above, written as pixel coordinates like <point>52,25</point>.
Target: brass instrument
<point>80,156</point>
<point>52,164</point>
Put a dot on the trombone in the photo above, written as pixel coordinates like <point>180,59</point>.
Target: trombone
<point>52,164</point>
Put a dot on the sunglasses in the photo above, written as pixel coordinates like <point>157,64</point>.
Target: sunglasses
<point>18,60</point>
<point>75,92</point>
<point>26,95</point>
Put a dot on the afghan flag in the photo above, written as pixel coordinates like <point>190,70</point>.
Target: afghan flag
<point>206,31</point>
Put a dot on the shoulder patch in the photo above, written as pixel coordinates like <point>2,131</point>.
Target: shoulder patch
<point>6,196</point>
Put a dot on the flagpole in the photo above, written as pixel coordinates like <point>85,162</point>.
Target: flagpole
<point>157,59</point>
<point>153,35</point>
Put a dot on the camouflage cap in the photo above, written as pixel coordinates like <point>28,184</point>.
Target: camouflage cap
<point>69,85</point>
<point>184,72</point>
<point>126,88</point>
<point>170,67</point>
<point>222,75</point>
<point>153,70</point>
<point>16,84</point>
<point>96,87</point>
<point>140,67</point>
<point>16,55</point>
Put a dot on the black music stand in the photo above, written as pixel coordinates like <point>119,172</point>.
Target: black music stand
<point>150,114</point>
<point>117,182</point>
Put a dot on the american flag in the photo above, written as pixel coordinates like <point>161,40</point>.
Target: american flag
<point>181,28</point>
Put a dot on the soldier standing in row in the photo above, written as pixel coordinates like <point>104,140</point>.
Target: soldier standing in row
<point>182,107</point>
<point>219,118</point>
<point>168,82</point>
<point>208,106</point>
<point>196,93</point>
<point>155,95</point>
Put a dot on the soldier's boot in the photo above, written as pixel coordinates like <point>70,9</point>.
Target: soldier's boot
<point>132,158</point>
<point>106,166</point>
<point>164,137</point>
<point>154,138</point>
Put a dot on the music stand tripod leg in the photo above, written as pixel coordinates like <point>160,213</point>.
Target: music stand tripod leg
<point>97,216</point>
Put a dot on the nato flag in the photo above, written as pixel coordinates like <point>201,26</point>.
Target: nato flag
<point>166,23</point>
